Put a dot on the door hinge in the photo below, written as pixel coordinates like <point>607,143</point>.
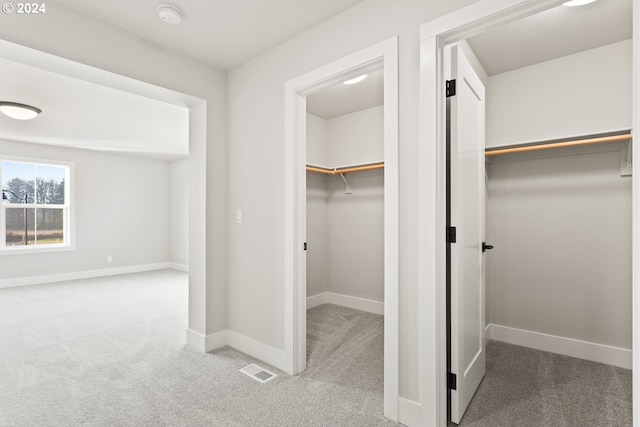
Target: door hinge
<point>452,381</point>
<point>451,88</point>
<point>451,234</point>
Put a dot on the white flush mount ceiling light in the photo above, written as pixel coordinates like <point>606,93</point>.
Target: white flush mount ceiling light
<point>577,2</point>
<point>169,13</point>
<point>355,80</point>
<point>18,111</point>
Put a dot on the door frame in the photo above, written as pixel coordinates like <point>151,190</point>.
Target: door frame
<point>381,55</point>
<point>434,36</point>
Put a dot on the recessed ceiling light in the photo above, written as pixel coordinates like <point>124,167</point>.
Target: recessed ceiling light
<point>169,13</point>
<point>355,80</point>
<point>577,2</point>
<point>19,111</point>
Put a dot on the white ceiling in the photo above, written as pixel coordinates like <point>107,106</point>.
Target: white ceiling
<point>340,99</point>
<point>226,33</point>
<point>223,33</point>
<point>80,114</point>
<point>552,34</point>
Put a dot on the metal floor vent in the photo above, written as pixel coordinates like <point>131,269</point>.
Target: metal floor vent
<point>257,373</point>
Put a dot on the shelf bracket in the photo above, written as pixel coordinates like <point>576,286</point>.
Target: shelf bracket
<point>626,166</point>
<point>347,185</point>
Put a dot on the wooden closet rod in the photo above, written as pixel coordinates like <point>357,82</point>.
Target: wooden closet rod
<point>338,171</point>
<point>587,141</point>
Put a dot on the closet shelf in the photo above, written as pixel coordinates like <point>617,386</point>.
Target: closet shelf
<point>560,144</point>
<point>345,169</point>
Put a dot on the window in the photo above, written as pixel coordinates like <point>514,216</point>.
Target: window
<point>35,214</point>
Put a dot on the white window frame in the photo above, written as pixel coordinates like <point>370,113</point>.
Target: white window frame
<point>67,207</point>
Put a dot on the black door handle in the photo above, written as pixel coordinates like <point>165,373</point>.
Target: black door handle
<point>486,247</point>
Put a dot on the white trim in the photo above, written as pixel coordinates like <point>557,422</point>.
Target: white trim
<point>385,53</point>
<point>635,229</point>
<point>179,267</point>
<point>434,36</point>
<point>86,274</point>
<point>317,300</point>
<point>408,412</point>
<point>68,208</point>
<point>362,304</point>
<point>600,353</point>
<point>206,343</point>
<point>261,351</point>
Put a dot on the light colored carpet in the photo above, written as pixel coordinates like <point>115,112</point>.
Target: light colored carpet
<point>110,352</point>
<point>531,388</point>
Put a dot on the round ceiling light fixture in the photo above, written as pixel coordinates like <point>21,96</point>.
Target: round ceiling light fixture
<point>577,2</point>
<point>19,111</point>
<point>169,14</point>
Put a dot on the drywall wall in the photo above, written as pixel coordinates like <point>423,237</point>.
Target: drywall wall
<point>356,221</point>
<point>356,237</point>
<point>179,212</point>
<point>317,235</point>
<point>317,148</point>
<point>256,166</point>
<point>356,138</point>
<point>317,214</point>
<point>560,221</point>
<point>585,93</point>
<point>71,35</point>
<point>561,228</point>
<point>345,232</point>
<point>121,209</point>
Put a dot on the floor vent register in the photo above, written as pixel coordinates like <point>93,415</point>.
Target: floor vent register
<point>257,373</point>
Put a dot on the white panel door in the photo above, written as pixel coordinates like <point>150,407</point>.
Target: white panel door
<point>467,193</point>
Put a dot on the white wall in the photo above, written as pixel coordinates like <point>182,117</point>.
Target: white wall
<point>74,36</point>
<point>585,93</point>
<point>560,221</point>
<point>317,136</point>
<point>256,163</point>
<point>345,232</point>
<point>356,138</point>
<point>317,235</point>
<point>121,207</point>
<point>561,228</point>
<point>356,238</point>
<point>317,214</point>
<point>179,211</point>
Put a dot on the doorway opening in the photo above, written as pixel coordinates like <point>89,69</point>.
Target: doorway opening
<point>188,165</point>
<point>345,233</point>
<point>380,58</point>
<point>447,30</point>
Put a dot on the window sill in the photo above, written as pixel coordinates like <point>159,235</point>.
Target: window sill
<point>28,250</point>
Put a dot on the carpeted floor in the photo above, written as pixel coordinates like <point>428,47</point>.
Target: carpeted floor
<point>527,388</point>
<point>110,352</point>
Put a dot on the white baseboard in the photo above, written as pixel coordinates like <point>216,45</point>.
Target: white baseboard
<point>600,353</point>
<point>356,303</point>
<point>179,267</point>
<point>408,412</point>
<point>316,300</point>
<point>261,351</point>
<point>76,275</point>
<point>249,346</point>
<point>206,343</point>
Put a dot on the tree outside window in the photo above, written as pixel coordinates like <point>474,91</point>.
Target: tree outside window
<point>35,205</point>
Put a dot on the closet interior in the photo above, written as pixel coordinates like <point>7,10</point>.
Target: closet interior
<point>558,197</point>
<point>345,223</point>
